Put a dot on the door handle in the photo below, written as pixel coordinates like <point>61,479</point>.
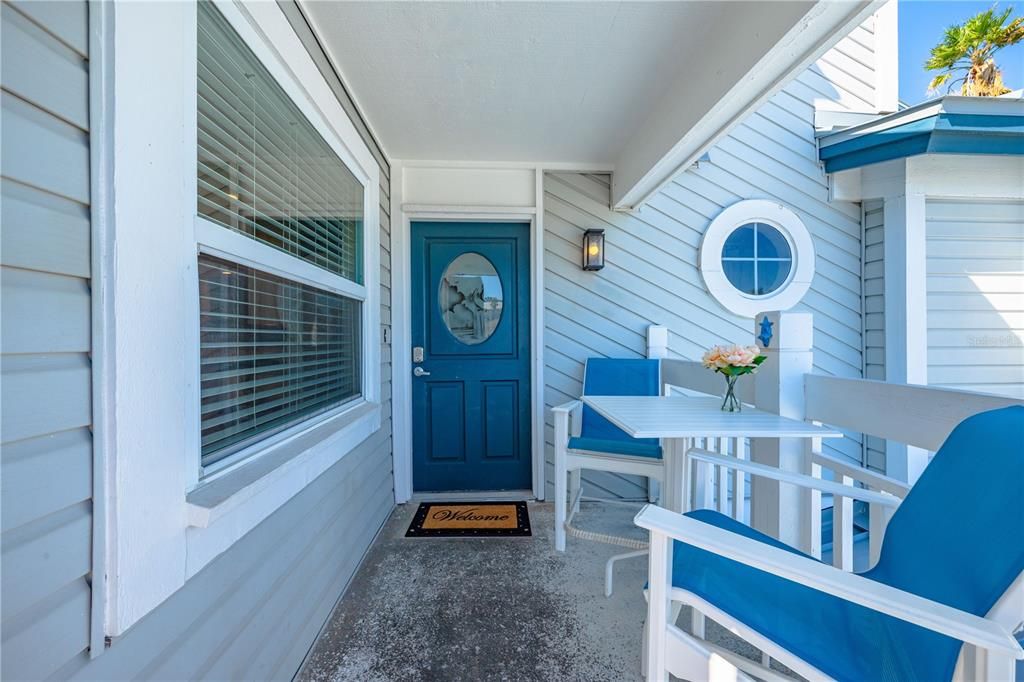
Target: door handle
<point>420,372</point>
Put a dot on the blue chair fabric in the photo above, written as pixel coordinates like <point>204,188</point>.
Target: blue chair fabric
<point>955,539</point>
<point>617,376</point>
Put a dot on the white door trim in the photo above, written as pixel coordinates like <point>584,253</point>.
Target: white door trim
<point>403,216</point>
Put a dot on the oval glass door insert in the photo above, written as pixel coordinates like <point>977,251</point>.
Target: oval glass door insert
<point>470,298</point>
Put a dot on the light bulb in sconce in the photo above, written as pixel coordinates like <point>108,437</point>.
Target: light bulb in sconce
<point>593,250</point>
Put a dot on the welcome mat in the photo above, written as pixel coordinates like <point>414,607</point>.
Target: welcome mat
<point>470,519</point>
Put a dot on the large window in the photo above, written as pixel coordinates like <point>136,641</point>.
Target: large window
<point>245,361</point>
<point>278,344</point>
<point>264,170</point>
<point>272,351</point>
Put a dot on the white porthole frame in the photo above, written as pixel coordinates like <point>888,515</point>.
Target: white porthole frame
<point>795,233</point>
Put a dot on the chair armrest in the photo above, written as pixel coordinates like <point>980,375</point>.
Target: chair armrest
<point>567,408</point>
<point>802,480</point>
<point>875,480</point>
<point>572,413</point>
<point>851,587</point>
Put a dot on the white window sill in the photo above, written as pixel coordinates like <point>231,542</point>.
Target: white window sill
<point>223,510</point>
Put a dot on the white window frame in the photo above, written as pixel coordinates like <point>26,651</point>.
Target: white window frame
<point>165,522</point>
<point>712,270</point>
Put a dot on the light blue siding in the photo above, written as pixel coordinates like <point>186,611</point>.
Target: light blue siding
<point>46,453</point>
<point>651,276</point>
<point>254,611</point>
<point>975,265</point>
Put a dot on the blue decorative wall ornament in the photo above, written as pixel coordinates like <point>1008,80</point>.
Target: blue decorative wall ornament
<point>765,337</point>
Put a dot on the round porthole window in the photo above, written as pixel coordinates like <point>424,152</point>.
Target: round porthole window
<point>757,256</point>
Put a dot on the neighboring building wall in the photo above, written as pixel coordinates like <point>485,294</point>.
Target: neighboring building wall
<point>975,268</point>
<point>651,276</point>
<point>46,370</point>
<point>874,315</point>
<point>255,610</point>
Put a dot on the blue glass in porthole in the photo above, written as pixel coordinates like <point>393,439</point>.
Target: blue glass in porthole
<point>740,274</point>
<point>740,244</point>
<point>771,243</point>
<point>771,274</point>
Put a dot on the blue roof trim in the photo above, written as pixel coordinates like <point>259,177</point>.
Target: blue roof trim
<point>943,133</point>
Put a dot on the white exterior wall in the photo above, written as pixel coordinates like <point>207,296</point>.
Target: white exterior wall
<point>975,267</point>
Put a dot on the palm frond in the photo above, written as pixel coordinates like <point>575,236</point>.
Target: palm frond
<point>969,47</point>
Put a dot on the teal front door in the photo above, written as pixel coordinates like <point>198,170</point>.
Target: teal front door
<point>471,356</point>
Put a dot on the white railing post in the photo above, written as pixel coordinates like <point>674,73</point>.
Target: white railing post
<point>561,478</point>
<point>657,349</point>
<point>739,512</point>
<point>780,509</point>
<point>811,532</point>
<point>842,529</point>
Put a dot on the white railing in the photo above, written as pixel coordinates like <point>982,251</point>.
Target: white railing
<point>918,416</point>
<point>711,484</point>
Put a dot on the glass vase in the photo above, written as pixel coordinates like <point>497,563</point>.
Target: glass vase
<point>731,403</point>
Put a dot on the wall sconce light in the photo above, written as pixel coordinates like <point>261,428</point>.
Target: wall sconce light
<point>593,249</point>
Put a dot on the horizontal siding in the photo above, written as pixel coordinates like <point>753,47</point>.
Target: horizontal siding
<point>651,274</point>
<point>45,337</point>
<point>975,265</point>
<point>844,78</point>
<point>587,314</point>
<point>253,612</point>
<point>874,315</point>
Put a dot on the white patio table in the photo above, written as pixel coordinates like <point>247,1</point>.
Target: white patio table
<point>679,420</point>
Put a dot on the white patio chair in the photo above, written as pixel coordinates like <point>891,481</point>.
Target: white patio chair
<point>586,440</point>
<point>941,603</point>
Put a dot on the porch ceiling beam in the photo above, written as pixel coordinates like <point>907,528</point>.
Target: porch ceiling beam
<point>753,49</point>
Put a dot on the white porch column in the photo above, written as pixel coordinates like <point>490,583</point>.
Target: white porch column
<point>781,509</point>
<point>906,321</point>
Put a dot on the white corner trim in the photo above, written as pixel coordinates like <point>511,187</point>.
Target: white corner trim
<point>778,216</point>
<point>886,53</point>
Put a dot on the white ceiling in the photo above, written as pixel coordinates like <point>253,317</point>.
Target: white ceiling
<point>534,81</point>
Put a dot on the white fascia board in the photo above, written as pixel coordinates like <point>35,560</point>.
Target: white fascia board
<point>696,112</point>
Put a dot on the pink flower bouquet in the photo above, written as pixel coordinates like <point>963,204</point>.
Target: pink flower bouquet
<point>733,362</point>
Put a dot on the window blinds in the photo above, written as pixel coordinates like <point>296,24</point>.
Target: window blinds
<point>272,352</point>
<point>264,171</point>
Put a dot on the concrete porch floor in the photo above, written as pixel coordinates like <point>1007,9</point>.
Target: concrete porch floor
<point>480,609</point>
